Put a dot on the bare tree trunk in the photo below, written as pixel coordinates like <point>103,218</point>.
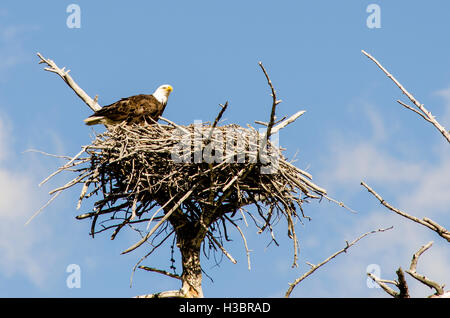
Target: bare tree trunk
<point>189,241</point>
<point>192,271</point>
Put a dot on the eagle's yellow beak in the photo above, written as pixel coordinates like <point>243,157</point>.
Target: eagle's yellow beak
<point>169,88</point>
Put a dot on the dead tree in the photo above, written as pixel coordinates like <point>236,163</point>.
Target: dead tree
<point>189,183</point>
<point>401,283</point>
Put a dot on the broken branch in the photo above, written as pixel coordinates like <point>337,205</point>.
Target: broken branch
<point>52,67</point>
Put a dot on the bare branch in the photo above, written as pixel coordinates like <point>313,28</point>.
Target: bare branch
<point>64,167</point>
<point>440,230</point>
<point>275,102</point>
<point>247,251</point>
<point>52,67</point>
<point>425,113</point>
<point>148,254</point>
<point>412,271</point>
<point>400,284</point>
<point>174,125</point>
<point>163,272</point>
<point>383,285</point>
<point>287,121</point>
<point>43,207</point>
<point>165,294</point>
<point>48,154</point>
<point>414,110</point>
<point>224,251</point>
<point>218,117</point>
<point>315,267</point>
<point>340,203</point>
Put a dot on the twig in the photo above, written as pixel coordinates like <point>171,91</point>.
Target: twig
<point>157,211</point>
<point>224,251</point>
<point>174,125</point>
<point>151,269</point>
<point>425,113</point>
<point>260,123</point>
<point>229,184</point>
<point>52,67</point>
<point>414,110</point>
<point>43,207</point>
<point>148,254</point>
<point>48,154</point>
<point>440,230</point>
<point>341,204</point>
<point>64,167</point>
<point>275,102</point>
<point>288,121</point>
<point>216,121</point>
<point>315,267</point>
<point>247,251</point>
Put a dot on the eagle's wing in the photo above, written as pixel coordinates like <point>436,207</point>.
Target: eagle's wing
<point>117,111</point>
<point>150,107</point>
<point>133,109</point>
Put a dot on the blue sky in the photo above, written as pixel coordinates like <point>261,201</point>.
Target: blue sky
<point>352,130</point>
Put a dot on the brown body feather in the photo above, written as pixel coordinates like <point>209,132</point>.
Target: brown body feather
<point>133,109</point>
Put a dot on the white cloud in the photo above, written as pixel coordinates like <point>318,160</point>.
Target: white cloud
<point>354,158</point>
<point>18,198</point>
<point>418,181</point>
<point>365,161</point>
<point>417,186</point>
<point>429,193</point>
<point>379,130</point>
<point>4,141</point>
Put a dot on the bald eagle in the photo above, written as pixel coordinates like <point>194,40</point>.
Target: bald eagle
<point>134,109</point>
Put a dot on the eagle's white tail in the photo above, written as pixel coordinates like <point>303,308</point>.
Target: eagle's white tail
<point>94,120</point>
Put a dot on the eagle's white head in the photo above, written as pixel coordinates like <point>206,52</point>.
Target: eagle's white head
<point>162,93</point>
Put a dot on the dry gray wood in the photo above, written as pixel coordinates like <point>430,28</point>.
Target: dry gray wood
<point>400,284</point>
<point>421,110</point>
<point>440,230</point>
<point>52,67</point>
<point>422,278</point>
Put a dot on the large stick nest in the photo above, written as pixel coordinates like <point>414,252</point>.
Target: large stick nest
<point>145,173</point>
